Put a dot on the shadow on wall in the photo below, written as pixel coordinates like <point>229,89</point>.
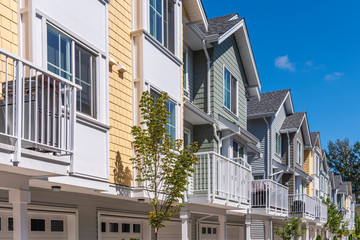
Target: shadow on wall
<point>122,176</point>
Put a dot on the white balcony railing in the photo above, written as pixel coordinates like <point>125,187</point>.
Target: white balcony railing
<point>269,197</point>
<point>302,205</point>
<point>37,107</point>
<point>320,210</point>
<point>220,179</point>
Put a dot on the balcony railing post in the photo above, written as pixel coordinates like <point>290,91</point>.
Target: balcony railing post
<point>209,177</point>
<point>213,176</point>
<point>228,182</point>
<point>72,126</point>
<point>18,108</point>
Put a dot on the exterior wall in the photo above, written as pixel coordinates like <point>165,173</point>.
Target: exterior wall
<point>308,168</point>
<point>204,136</point>
<point>9,26</point>
<point>199,89</point>
<point>259,129</point>
<point>120,91</point>
<point>275,128</point>
<point>227,54</point>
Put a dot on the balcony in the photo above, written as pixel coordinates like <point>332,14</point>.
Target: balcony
<point>302,205</point>
<point>221,181</point>
<point>37,113</point>
<point>320,211</point>
<point>269,198</point>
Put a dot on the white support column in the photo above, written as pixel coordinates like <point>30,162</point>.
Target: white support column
<point>271,230</point>
<point>266,230</point>
<point>248,227</point>
<point>307,234</point>
<point>185,216</point>
<point>19,200</point>
<point>222,227</point>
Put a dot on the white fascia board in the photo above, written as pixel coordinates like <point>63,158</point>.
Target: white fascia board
<point>288,96</point>
<point>307,130</point>
<point>203,14</point>
<point>246,52</point>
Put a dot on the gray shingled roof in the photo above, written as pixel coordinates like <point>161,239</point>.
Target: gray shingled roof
<point>293,121</point>
<point>313,136</point>
<point>219,25</point>
<point>343,187</point>
<point>269,102</point>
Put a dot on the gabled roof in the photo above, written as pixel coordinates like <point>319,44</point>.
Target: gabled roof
<point>219,29</point>
<point>293,121</point>
<point>313,136</point>
<point>195,12</point>
<point>220,25</point>
<point>269,103</point>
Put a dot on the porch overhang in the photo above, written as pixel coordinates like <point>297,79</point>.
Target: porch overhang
<point>195,115</point>
<point>303,175</point>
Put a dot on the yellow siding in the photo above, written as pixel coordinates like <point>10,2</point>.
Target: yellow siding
<point>120,91</point>
<point>307,169</point>
<point>9,26</point>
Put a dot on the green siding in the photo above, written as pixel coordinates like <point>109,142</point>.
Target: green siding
<point>204,136</point>
<point>227,54</point>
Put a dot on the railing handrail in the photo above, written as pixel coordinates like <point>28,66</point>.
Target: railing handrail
<point>244,165</point>
<point>302,194</point>
<point>47,72</point>
<point>271,181</point>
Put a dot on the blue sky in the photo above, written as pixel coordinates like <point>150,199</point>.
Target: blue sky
<point>311,47</point>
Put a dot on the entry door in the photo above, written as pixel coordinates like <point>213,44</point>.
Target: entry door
<point>208,232</point>
<point>112,228</point>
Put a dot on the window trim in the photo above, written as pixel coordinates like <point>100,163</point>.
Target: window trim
<point>186,70</point>
<point>188,132</point>
<point>225,68</point>
<point>74,42</point>
<point>299,160</point>
<point>280,143</point>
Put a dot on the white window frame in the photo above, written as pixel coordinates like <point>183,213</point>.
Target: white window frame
<point>188,132</point>
<point>299,149</point>
<point>186,70</point>
<point>225,68</point>
<point>74,42</point>
<point>276,150</point>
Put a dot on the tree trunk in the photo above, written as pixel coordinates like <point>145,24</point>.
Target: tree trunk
<point>156,230</point>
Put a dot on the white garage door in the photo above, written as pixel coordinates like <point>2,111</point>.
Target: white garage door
<point>171,231</point>
<point>41,225</point>
<point>235,232</point>
<point>112,228</point>
<point>209,232</point>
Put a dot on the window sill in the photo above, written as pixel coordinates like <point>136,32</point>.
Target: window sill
<point>84,119</point>
<point>231,113</point>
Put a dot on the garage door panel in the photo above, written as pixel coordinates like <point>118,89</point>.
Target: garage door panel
<point>112,228</point>
<point>171,231</point>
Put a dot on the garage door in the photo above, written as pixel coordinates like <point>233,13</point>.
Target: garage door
<point>171,231</point>
<point>121,228</point>
<point>41,225</point>
<point>208,232</point>
<point>234,232</point>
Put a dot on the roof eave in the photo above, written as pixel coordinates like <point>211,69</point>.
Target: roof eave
<point>200,15</point>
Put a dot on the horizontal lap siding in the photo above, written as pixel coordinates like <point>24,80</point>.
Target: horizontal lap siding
<point>275,128</point>
<point>120,93</point>
<point>9,26</point>
<point>204,136</point>
<point>259,129</point>
<point>199,80</point>
<point>227,53</point>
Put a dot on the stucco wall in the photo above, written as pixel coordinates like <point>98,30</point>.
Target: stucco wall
<point>120,90</point>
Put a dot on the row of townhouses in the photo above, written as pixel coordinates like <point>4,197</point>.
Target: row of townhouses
<point>71,77</point>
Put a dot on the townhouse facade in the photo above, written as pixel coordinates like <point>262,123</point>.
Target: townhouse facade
<point>70,85</point>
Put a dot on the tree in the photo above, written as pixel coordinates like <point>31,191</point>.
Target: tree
<point>163,165</point>
<point>356,230</point>
<point>335,222</point>
<point>344,159</point>
<point>292,230</point>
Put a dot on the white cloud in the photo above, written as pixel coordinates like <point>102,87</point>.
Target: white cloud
<point>333,76</point>
<point>309,63</point>
<point>283,62</point>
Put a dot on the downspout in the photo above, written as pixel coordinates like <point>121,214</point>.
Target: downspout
<point>207,75</point>
<point>269,163</point>
<point>216,137</point>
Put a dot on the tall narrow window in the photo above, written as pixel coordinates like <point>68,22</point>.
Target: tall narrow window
<point>171,126</point>
<point>85,66</point>
<point>317,165</point>
<point>185,70</point>
<point>59,53</point>
<point>278,143</point>
<point>230,92</point>
<point>299,153</point>
<point>238,150</point>
<point>162,22</point>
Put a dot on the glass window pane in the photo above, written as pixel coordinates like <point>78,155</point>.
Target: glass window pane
<point>125,227</point>
<point>10,224</point>
<point>103,227</point>
<point>136,228</point>
<point>158,23</point>
<point>38,225</point>
<point>52,47</point>
<point>113,227</point>
<point>233,95</point>
<point>152,22</point>
<point>57,225</point>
